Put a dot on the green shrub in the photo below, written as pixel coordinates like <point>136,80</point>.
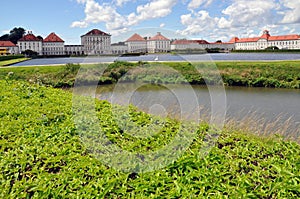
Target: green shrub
<point>71,68</point>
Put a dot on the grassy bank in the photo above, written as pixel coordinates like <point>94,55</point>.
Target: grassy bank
<point>42,156</point>
<point>279,74</point>
<point>283,74</point>
<point>12,61</point>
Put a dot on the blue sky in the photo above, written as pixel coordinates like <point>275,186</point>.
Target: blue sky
<point>202,19</point>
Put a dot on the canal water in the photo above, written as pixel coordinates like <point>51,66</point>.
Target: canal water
<point>262,110</point>
<point>168,57</point>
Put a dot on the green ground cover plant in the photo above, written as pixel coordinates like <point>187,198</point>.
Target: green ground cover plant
<point>42,156</point>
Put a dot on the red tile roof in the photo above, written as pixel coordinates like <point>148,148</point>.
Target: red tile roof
<point>29,37</point>
<point>284,37</point>
<point>53,38</point>
<point>96,32</point>
<point>265,36</point>
<point>233,40</point>
<point>184,41</point>
<point>136,37</point>
<point>268,37</point>
<point>201,41</point>
<point>7,44</point>
<point>159,37</point>
<point>243,40</point>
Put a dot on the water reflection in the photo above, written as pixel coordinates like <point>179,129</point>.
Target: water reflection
<point>259,109</point>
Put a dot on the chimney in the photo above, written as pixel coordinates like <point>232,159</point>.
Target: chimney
<point>159,33</point>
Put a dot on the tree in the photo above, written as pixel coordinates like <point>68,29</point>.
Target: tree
<point>4,37</point>
<point>272,48</point>
<point>30,53</point>
<point>40,37</point>
<point>14,35</point>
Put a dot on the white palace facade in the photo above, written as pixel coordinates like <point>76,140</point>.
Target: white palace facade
<point>266,40</point>
<point>97,42</point>
<point>30,42</point>
<point>136,44</point>
<point>288,42</point>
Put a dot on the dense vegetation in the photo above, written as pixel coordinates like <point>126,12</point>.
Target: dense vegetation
<point>10,57</point>
<point>42,156</point>
<point>281,74</point>
<point>261,74</point>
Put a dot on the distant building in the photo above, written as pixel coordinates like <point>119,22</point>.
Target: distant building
<point>136,44</point>
<point>8,48</point>
<point>53,45</point>
<point>184,44</point>
<point>200,45</point>
<point>158,43</point>
<point>30,42</point>
<point>255,43</point>
<point>203,44</point>
<point>96,42</point>
<point>266,40</point>
<point>74,50</point>
<point>227,46</point>
<point>119,48</point>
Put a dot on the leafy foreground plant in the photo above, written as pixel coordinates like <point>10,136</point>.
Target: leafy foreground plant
<point>42,156</point>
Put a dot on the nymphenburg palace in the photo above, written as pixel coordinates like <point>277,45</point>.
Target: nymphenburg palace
<point>97,42</point>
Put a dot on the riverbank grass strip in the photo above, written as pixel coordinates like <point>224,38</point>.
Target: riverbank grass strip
<point>12,61</point>
<point>280,74</point>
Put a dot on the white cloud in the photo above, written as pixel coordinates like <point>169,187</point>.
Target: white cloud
<point>82,1</point>
<point>289,29</point>
<point>121,2</point>
<point>285,28</point>
<point>292,15</point>
<point>250,13</point>
<point>243,18</point>
<point>79,24</point>
<point>197,3</point>
<point>96,13</point>
<point>155,9</point>
<point>162,25</point>
<point>224,23</point>
<point>197,23</point>
<point>115,22</point>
